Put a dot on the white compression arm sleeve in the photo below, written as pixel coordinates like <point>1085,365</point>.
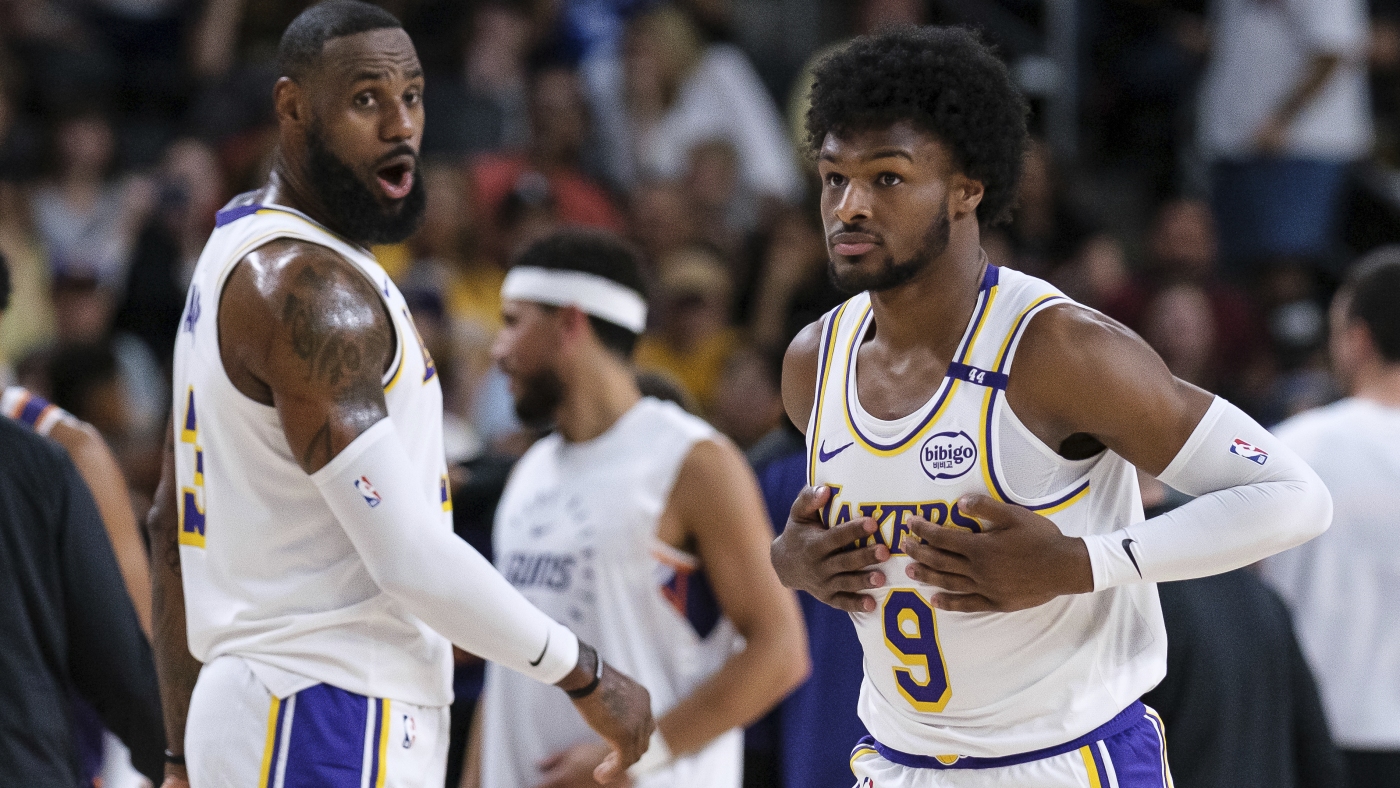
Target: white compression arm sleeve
<point>1256,498</point>
<point>399,535</point>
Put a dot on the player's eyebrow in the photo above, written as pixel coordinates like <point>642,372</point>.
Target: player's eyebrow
<point>888,153</point>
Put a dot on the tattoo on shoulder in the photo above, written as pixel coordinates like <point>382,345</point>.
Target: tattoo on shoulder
<point>337,327</point>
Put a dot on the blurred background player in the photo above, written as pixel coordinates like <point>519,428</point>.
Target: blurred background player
<point>636,523</point>
<point>67,628</point>
<point>1341,586</point>
<point>98,468</point>
<point>310,496</point>
<point>1003,584</point>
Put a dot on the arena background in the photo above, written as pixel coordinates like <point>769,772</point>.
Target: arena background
<point>125,124</point>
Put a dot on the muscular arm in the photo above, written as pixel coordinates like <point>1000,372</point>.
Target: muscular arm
<point>176,669</point>
<point>104,478</point>
<point>1081,381</point>
<point>732,534</point>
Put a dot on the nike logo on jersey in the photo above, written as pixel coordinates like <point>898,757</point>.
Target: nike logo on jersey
<point>823,455</point>
<point>1128,548</point>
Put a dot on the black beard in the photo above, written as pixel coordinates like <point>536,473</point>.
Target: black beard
<point>353,209</point>
<point>892,274</point>
<point>540,396</point>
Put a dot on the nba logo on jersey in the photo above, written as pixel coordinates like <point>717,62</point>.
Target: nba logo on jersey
<point>367,491</point>
<point>1249,451</point>
<point>948,455</point>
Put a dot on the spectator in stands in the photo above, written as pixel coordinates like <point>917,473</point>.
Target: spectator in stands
<point>681,92</point>
<point>31,323</point>
<point>748,403</point>
<point>1342,588</point>
<point>190,189</point>
<point>86,220</point>
<point>1182,251</point>
<point>692,340</point>
<point>661,220</point>
<point>559,129</point>
<point>1284,110</point>
<point>484,106</point>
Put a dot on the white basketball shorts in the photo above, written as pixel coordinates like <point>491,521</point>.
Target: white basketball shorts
<point>239,735</point>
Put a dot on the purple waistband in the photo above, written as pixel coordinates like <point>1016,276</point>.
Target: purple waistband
<point>1125,719</point>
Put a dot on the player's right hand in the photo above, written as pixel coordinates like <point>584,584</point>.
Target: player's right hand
<point>175,777</point>
<point>810,557</point>
<point>619,711</point>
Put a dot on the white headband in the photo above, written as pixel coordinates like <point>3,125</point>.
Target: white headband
<point>594,295</point>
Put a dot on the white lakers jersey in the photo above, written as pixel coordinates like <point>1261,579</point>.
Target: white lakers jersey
<point>949,684</point>
<point>269,574</point>
<point>576,533</point>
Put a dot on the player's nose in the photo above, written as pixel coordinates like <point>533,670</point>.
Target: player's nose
<point>853,207</point>
<point>398,123</point>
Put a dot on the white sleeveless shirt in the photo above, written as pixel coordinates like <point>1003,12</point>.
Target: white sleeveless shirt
<point>949,684</point>
<point>576,533</point>
<point>269,574</point>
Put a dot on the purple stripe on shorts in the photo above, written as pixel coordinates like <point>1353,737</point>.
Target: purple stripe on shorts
<point>326,748</point>
<point>1137,755</point>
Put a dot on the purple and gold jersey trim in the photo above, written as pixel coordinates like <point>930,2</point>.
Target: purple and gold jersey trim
<point>1135,714</point>
<point>833,320</point>
<point>986,295</point>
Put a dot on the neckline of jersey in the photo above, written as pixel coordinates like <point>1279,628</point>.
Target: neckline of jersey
<point>895,430</point>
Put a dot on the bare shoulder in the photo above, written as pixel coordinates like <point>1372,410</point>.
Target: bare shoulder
<point>800,374</point>
<point>1077,371</point>
<point>307,299</point>
<point>715,488</point>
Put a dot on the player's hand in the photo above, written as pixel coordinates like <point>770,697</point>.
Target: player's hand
<point>1019,560</point>
<point>574,767</point>
<point>819,560</point>
<point>175,777</point>
<point>620,711</point>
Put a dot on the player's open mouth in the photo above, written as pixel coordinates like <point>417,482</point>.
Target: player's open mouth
<point>396,178</point>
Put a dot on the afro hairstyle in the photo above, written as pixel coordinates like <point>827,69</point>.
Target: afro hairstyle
<point>944,80</point>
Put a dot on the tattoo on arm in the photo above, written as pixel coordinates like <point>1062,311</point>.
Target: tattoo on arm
<point>336,341</point>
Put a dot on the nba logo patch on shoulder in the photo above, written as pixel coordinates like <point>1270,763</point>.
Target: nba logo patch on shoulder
<point>367,491</point>
<point>1249,451</point>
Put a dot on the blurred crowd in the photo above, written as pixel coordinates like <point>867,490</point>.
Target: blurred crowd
<point>125,124</point>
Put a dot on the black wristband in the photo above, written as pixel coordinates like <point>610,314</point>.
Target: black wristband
<point>173,759</point>
<point>587,689</point>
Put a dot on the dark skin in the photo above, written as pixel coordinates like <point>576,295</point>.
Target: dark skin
<point>1081,382</point>
<point>301,330</point>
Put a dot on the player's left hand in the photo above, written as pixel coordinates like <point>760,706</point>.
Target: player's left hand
<point>573,768</point>
<point>1019,560</point>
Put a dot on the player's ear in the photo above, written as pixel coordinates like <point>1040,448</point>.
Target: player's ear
<point>573,324</point>
<point>964,195</point>
<point>289,102</point>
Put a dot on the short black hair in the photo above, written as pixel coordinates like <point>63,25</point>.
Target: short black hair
<point>1373,287</point>
<point>307,35</point>
<point>4,283</point>
<point>945,80</point>
<point>598,253</point>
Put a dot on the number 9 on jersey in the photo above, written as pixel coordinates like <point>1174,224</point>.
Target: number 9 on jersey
<point>911,633</point>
